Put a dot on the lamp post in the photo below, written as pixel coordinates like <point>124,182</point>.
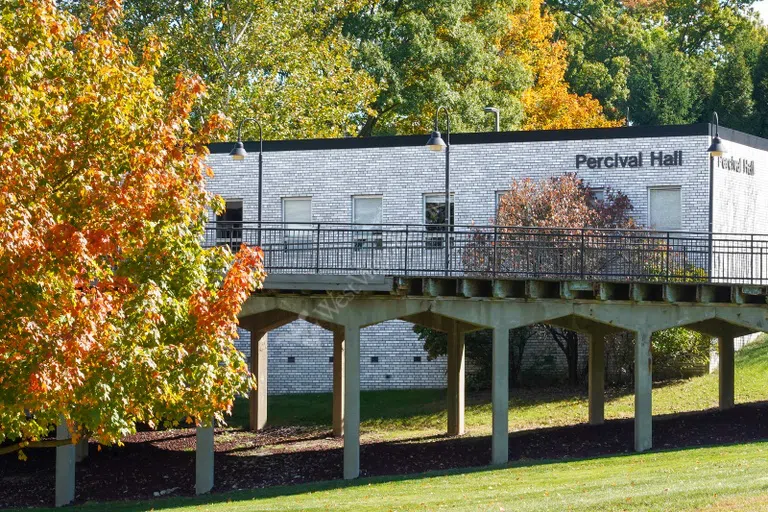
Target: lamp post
<point>238,153</point>
<point>495,114</point>
<point>436,143</point>
<point>716,148</point>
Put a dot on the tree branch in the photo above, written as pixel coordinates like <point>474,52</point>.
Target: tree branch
<point>48,443</point>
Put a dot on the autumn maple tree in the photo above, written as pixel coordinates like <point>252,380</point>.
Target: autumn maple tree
<point>111,312</point>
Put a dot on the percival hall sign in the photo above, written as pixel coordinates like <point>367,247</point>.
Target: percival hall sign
<point>617,161</point>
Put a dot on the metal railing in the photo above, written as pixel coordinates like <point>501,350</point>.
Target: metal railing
<point>502,252</point>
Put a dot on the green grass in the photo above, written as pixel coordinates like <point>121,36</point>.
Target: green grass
<point>720,478</point>
<point>419,413</point>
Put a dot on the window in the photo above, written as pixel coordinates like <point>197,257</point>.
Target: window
<point>434,218</point>
<point>416,359</point>
<point>597,193</point>
<point>374,359</point>
<point>229,224</point>
<point>367,213</point>
<point>434,211</point>
<point>297,212</point>
<point>665,208</point>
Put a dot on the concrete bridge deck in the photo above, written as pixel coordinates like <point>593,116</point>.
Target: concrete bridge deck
<point>344,278</point>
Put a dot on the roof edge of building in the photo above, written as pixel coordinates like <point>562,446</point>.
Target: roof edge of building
<point>623,132</point>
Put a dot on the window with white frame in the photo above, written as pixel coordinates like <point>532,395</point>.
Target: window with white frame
<point>229,224</point>
<point>434,211</point>
<point>297,212</point>
<point>434,218</point>
<point>665,209</point>
<point>367,217</point>
<point>596,193</point>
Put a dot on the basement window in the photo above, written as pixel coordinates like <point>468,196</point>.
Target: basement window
<point>416,359</point>
<point>291,359</point>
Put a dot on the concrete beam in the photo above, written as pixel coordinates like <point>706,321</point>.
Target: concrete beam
<point>500,396</point>
<point>204,460</point>
<point>583,325</point>
<point>489,313</point>
<point>65,467</point>
<point>259,368</point>
<point>596,368</point>
<point>267,321</point>
<point>338,382</point>
<point>329,282</point>
<point>644,316</point>
<point>726,371</point>
<point>440,323</point>
<point>455,396</point>
<point>351,402</point>
<point>643,385</point>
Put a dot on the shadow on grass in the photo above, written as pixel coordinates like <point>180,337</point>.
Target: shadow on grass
<point>139,469</point>
<point>397,461</point>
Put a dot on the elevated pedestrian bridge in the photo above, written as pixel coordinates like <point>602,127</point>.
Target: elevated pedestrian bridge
<point>458,279</point>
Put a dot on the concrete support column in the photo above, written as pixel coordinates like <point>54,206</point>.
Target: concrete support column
<point>258,396</point>
<point>455,396</point>
<point>81,449</point>
<point>726,371</point>
<point>351,402</point>
<point>65,467</point>
<point>338,383</point>
<point>643,385</point>
<point>204,460</point>
<point>596,378</point>
<point>500,396</point>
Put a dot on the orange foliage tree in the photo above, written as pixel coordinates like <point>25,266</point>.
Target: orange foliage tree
<point>111,312</point>
<point>548,104</point>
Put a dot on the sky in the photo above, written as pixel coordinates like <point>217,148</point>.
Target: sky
<point>762,8</point>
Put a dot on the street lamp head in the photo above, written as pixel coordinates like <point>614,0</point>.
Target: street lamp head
<point>717,148</point>
<point>436,142</point>
<point>238,152</point>
<point>491,109</point>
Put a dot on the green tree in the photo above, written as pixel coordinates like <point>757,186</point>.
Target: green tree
<point>732,93</point>
<point>285,62</point>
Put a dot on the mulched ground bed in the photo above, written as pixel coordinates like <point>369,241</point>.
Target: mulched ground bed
<point>163,463</point>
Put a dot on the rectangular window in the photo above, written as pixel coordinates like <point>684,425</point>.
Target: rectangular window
<point>367,215</point>
<point>665,211</point>
<point>229,227</point>
<point>434,211</point>
<point>297,213</point>
<point>597,193</point>
<point>434,219</point>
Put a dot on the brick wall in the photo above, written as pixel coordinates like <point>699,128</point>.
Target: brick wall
<point>402,176</point>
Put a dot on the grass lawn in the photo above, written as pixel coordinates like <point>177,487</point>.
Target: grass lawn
<point>714,479</point>
<point>421,413</point>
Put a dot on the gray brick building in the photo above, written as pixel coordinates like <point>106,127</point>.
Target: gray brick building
<point>665,171</point>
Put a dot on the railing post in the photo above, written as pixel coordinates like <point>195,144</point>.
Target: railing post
<point>667,258</point>
<point>752,259</point>
<point>447,249</point>
<point>582,253</point>
<point>317,251</point>
<point>495,250</point>
<point>405,266</point>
